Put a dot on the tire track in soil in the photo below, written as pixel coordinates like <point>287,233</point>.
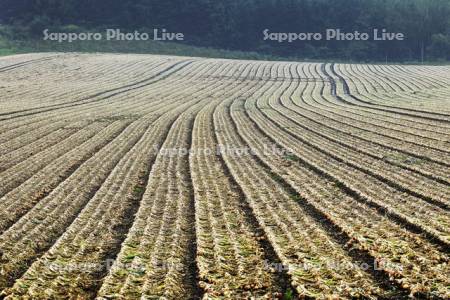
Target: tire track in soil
<point>404,111</point>
<point>25,63</point>
<point>120,90</point>
<point>392,148</point>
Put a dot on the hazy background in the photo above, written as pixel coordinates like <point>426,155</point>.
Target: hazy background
<point>238,24</point>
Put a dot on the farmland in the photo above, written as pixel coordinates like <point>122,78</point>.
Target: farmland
<point>162,177</point>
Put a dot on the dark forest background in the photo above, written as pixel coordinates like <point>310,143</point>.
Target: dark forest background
<point>238,24</point>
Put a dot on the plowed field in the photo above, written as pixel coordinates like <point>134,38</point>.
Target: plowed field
<point>157,177</point>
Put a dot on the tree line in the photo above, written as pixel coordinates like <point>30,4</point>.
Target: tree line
<point>239,24</point>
